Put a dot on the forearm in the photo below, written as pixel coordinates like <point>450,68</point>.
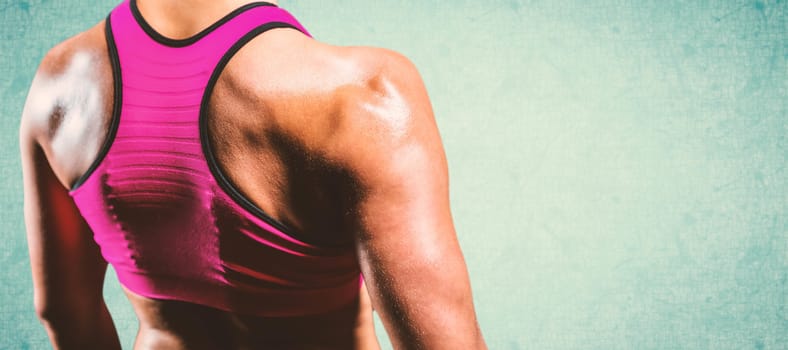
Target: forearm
<point>82,329</point>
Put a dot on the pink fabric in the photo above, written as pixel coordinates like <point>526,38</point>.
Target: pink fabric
<point>160,217</point>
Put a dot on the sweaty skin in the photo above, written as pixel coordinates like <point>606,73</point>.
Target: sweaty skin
<point>323,138</point>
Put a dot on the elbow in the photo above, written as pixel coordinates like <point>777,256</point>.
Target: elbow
<point>61,317</point>
<point>47,312</point>
<point>58,313</point>
<point>72,326</point>
<point>61,306</point>
<point>42,307</point>
<point>56,301</point>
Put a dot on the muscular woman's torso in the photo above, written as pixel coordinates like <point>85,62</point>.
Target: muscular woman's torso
<point>250,128</point>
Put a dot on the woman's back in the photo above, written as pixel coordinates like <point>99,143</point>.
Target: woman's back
<point>279,125</point>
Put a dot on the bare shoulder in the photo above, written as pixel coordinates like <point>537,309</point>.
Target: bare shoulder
<point>90,41</point>
<point>72,88</point>
<point>345,104</point>
<point>387,117</point>
<point>78,56</point>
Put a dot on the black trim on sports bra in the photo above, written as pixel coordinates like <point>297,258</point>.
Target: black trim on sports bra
<point>194,38</point>
<point>222,180</point>
<point>116,105</point>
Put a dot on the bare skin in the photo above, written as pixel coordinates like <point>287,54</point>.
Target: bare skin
<point>356,151</point>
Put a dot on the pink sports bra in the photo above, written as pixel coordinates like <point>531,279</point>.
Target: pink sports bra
<point>163,215</point>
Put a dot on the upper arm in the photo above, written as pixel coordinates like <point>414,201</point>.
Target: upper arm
<point>68,270</point>
<point>405,237</point>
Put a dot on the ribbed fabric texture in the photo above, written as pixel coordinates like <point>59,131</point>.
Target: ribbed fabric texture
<point>161,218</point>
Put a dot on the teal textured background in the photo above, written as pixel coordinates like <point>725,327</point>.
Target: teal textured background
<point>617,167</point>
